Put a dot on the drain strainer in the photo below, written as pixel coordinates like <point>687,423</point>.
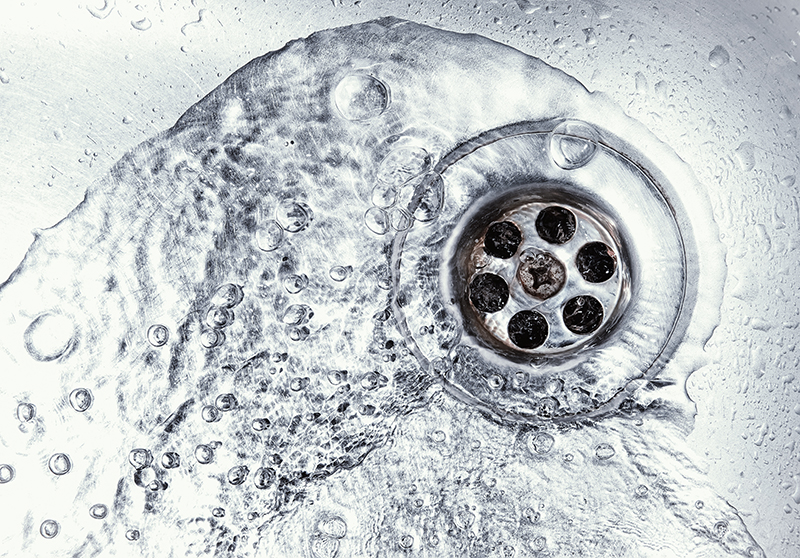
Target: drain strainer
<point>560,272</point>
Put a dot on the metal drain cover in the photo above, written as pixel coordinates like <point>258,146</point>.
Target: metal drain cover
<point>561,271</point>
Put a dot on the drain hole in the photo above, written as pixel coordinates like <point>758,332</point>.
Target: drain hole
<point>488,292</point>
<point>541,274</point>
<point>596,262</point>
<point>583,314</point>
<point>527,329</point>
<point>556,224</point>
<point>502,240</point>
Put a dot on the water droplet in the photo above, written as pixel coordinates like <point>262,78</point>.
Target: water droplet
<point>269,236</point>
<point>641,82</point>
<point>540,443</point>
<point>785,113</point>
<point>225,402</point>
<point>60,464</point>
<point>81,399</point>
<point>401,165</point>
<point>98,511</point>
<point>430,192</point>
<point>604,451</point>
<point>102,12</point>
<point>140,458</point>
<point>4,79</point>
<point>377,220</point>
<point>295,314</point>
<point>49,528</point>
<point>264,477</point>
<point>360,97</point>
<point>142,25</point>
<point>699,504</point>
<point>26,412</point>
<point>204,454</point>
<point>211,338</point>
<point>293,216</point>
<point>7,473</point>
<point>332,526</point>
<point>590,36</point>
<point>260,424</point>
<point>746,156</point>
<point>237,475</point>
<point>170,460</point>
<point>641,491</point>
<point>49,336</point>
<point>210,413</point>
<point>406,541</point>
<point>218,512</point>
<point>340,273</point>
<point>132,534</point>
<point>573,144</point>
<point>157,335</point>
<point>718,57</point>
<point>788,181</point>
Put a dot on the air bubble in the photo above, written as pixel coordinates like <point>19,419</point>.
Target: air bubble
<point>495,381</point>
<point>604,451</point>
<point>573,144</point>
<point>157,335</point>
<point>264,477</point>
<point>720,529</point>
<point>299,384</point>
<point>142,24</point>
<point>60,464</point>
<point>170,460</point>
<point>219,317</point>
<point>269,236</point>
<point>438,436</point>
<point>228,296</point>
<point>218,512</point>
<point>7,473</point>
<point>211,338</point>
<point>225,402</point>
<point>210,413</point>
<point>132,534</point>
<point>641,491</point>
<point>531,515</point>
<point>583,314</point>
<point>26,412</point>
<point>49,528</point>
<point>237,475</point>
<point>295,283</point>
<point>140,458</point>
<point>49,336</point>
<point>538,544</point>
<point>464,519</point>
<point>98,511</point>
<point>699,504</point>
<point>360,97</point>
<point>406,541</point>
<point>333,526</point>
<point>596,262</point>
<point>400,219</point>
<point>528,329</point>
<point>488,292</point>
<point>431,197</point>
<point>292,216</point>
<point>384,195</point>
<point>324,547</point>
<point>401,165</point>
<point>556,224</point>
<point>260,424</point>
<point>339,273</point>
<point>554,386</point>
<point>81,399</point>
<point>540,443</point>
<point>204,454</point>
<point>296,314</point>
<point>502,240</point>
<point>377,220</point>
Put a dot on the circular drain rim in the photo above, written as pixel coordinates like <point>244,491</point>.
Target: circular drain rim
<point>657,185</point>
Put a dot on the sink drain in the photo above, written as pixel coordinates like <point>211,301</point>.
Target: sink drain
<point>560,272</point>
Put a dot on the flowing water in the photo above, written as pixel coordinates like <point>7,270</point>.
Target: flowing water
<point>259,336</point>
